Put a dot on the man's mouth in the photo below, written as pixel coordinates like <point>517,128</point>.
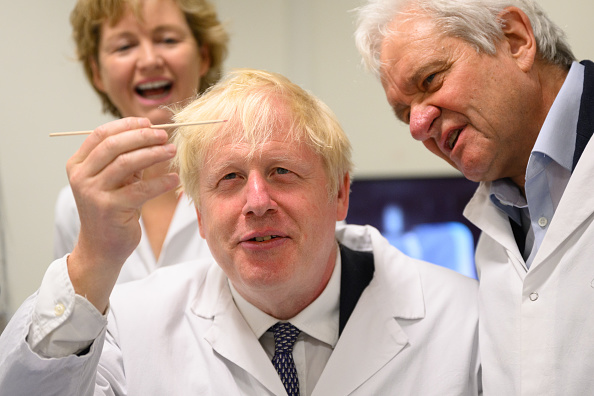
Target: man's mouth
<point>453,138</point>
<point>154,89</point>
<point>264,239</point>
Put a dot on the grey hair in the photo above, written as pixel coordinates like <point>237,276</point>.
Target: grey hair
<point>478,22</point>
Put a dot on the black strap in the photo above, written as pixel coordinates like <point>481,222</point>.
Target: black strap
<point>585,125</point>
<point>357,272</point>
<point>519,235</point>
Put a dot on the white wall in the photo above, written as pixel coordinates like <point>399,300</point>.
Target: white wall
<point>44,90</point>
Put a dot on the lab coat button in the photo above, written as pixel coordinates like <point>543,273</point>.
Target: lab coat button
<point>533,296</point>
<point>542,222</point>
<point>59,309</point>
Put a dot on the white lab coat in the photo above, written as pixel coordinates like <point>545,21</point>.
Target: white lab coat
<point>537,325</point>
<point>178,332</point>
<point>182,242</point>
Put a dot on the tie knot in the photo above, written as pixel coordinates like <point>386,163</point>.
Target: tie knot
<point>285,335</point>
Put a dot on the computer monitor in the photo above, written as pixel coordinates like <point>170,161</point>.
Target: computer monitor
<point>422,217</point>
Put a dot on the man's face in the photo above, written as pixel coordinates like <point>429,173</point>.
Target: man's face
<point>268,220</point>
<point>474,110</point>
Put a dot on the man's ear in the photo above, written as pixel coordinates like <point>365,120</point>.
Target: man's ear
<point>519,36</point>
<point>199,216</point>
<point>97,81</point>
<point>342,198</point>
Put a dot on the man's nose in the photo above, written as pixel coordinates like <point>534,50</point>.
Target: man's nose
<point>258,199</point>
<point>421,120</point>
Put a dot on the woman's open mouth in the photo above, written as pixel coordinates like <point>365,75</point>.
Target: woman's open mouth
<point>154,89</point>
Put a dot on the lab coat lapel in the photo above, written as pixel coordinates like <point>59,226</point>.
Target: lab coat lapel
<point>575,207</point>
<point>372,337</point>
<point>230,335</point>
<point>369,341</point>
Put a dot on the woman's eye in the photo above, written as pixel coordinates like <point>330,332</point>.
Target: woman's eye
<point>170,40</point>
<point>123,47</point>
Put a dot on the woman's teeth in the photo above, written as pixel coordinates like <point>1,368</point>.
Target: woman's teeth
<point>154,88</point>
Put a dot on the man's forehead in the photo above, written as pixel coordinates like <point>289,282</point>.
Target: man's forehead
<point>407,32</point>
<point>412,50</point>
<point>410,46</point>
<point>255,141</point>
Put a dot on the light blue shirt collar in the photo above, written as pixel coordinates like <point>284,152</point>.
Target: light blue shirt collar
<point>558,133</point>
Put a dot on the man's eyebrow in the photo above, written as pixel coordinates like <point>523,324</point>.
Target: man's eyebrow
<point>432,67</point>
<point>215,169</point>
<point>224,164</point>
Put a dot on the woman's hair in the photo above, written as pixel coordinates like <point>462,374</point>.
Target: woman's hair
<point>478,22</point>
<point>256,104</point>
<point>88,16</point>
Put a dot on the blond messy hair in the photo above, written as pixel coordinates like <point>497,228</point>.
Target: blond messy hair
<point>255,103</point>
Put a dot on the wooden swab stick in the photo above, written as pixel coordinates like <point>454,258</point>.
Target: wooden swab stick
<point>161,126</point>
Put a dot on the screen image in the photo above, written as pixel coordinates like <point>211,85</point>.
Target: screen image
<point>421,217</point>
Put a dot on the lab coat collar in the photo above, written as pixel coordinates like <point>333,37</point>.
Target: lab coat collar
<point>395,278</point>
<point>493,222</point>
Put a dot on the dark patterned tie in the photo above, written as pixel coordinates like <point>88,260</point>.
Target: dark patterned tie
<point>285,335</point>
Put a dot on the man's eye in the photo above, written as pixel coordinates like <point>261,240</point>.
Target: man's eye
<point>230,176</point>
<point>282,171</point>
<point>429,79</point>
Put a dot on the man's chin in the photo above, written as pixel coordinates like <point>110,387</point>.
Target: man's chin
<point>475,175</point>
